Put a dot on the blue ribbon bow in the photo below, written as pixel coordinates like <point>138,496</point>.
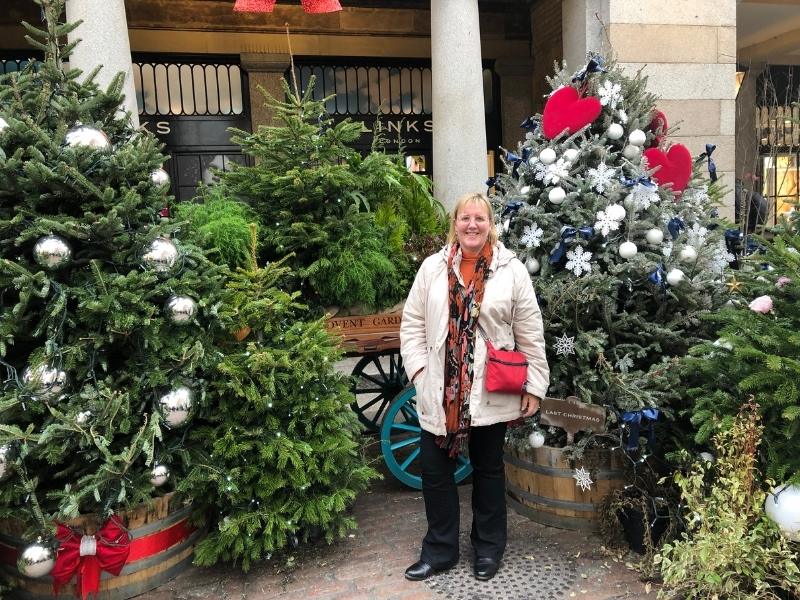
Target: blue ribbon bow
<point>595,65</point>
<point>511,209</point>
<point>568,234</point>
<point>634,419</point>
<point>657,276</point>
<point>491,182</point>
<point>645,181</point>
<point>675,226</point>
<point>530,124</point>
<point>515,162</point>
<point>733,240</point>
<point>712,167</point>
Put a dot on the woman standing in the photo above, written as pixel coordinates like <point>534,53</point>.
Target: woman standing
<point>473,289</point>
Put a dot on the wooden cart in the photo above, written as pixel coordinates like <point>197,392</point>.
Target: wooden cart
<point>385,401</point>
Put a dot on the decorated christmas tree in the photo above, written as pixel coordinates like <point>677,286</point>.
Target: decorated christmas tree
<point>345,219</point>
<point>103,308</point>
<point>617,228</point>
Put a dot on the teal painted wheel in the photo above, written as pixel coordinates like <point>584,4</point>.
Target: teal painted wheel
<point>400,436</point>
<point>377,379</point>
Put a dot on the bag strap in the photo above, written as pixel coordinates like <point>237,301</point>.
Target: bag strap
<point>485,337</point>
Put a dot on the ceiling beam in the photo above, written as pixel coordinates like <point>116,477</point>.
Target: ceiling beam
<point>780,45</point>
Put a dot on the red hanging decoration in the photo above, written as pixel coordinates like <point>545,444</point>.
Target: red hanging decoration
<point>254,6</point>
<point>321,6</point>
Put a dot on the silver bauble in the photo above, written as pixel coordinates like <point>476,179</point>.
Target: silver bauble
<point>654,236</point>
<point>688,254</point>
<point>36,560</point>
<point>83,136</point>
<point>532,265</point>
<point>180,309</point>
<point>159,475</point>
<point>536,439</point>
<point>44,382</point>
<point>615,131</point>
<point>783,507</point>
<point>5,457</point>
<point>159,177</point>
<point>631,152</point>
<point>616,211</point>
<point>52,252</point>
<point>547,156</point>
<point>628,250</point>
<point>637,137</point>
<point>557,195</point>
<point>570,154</point>
<point>525,190</point>
<point>175,405</point>
<point>160,255</point>
<point>675,276</point>
<point>3,124</point>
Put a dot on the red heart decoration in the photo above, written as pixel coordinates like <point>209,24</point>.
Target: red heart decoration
<point>565,109</point>
<point>658,125</point>
<point>676,166</point>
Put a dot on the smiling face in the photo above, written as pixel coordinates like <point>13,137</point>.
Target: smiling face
<point>472,226</point>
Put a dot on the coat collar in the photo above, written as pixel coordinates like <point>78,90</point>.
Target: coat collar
<point>500,257</point>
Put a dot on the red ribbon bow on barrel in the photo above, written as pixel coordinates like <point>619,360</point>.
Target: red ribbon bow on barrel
<point>87,555</point>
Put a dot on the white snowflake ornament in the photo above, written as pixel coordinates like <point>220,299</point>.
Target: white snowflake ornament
<point>578,261</point>
<point>565,345</point>
<point>697,235</point>
<point>549,174</point>
<point>645,196</point>
<point>583,479</point>
<point>531,236</point>
<point>610,94</point>
<point>605,223</point>
<point>601,177</point>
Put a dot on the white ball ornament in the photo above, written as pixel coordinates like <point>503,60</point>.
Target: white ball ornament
<point>159,475</point>
<point>3,124</point>
<point>175,405</point>
<point>628,250</point>
<point>525,190</point>
<point>532,265</point>
<point>547,156</point>
<point>180,309</point>
<point>637,137</point>
<point>44,382</point>
<point>536,439</point>
<point>159,177</point>
<point>631,152</point>
<point>616,211</point>
<point>160,255</point>
<point>688,254</point>
<point>675,276</point>
<point>571,154</point>
<point>629,202</point>
<point>83,136</point>
<point>36,560</point>
<point>615,131</point>
<point>52,252</point>
<point>5,457</point>
<point>557,195</point>
<point>654,236</point>
<point>783,507</point>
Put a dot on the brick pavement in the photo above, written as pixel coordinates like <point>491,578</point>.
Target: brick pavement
<point>369,564</point>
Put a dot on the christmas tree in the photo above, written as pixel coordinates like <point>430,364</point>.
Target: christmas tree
<point>617,228</point>
<point>755,353</point>
<point>345,219</point>
<point>104,308</point>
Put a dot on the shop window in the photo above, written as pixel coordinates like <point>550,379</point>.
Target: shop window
<point>781,178</point>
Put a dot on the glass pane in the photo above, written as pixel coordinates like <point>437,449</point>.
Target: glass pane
<point>405,91</point>
<point>200,100</point>
<point>213,90</point>
<point>187,90</point>
<point>149,89</point>
<point>174,89</point>
<point>427,93</point>
<point>189,172</point>
<point>488,92</point>
<point>162,87</point>
<point>341,91</point>
<point>352,91</point>
<point>416,91</point>
<point>232,159</point>
<point>237,100</point>
<point>385,99</point>
<point>416,163</point>
<point>224,90</point>
<point>362,83</point>
<point>394,86</point>
<point>374,91</point>
<point>210,164</point>
<point>786,172</point>
<point>137,86</point>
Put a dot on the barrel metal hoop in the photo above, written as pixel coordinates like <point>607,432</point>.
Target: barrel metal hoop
<point>559,472</point>
<point>582,506</point>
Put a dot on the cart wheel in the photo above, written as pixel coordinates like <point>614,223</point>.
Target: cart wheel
<point>378,378</point>
<point>400,435</point>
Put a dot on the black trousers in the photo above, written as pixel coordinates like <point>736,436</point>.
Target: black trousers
<point>488,535</point>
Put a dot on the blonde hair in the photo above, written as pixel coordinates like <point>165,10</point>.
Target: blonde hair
<point>474,198</point>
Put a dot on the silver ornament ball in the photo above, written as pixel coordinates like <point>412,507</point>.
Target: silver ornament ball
<point>631,152</point>
<point>616,211</point>
<point>570,154</point>
<point>159,177</point>
<point>83,136</point>
<point>557,195</point>
<point>654,236</point>
<point>536,439</point>
<point>675,276</point>
<point>180,309</point>
<point>547,156</point>
<point>159,475</point>
<point>532,265</point>
<point>637,137</point>
<point>688,254</point>
<point>52,252</point>
<point>5,457</point>
<point>176,404</point>
<point>161,255</point>
<point>44,382</point>
<point>525,190</point>
<point>36,560</point>
<point>783,507</point>
<point>628,250</point>
<point>615,131</point>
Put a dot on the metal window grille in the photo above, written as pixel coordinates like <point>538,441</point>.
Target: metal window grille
<point>778,126</point>
<point>188,88</point>
<point>10,65</point>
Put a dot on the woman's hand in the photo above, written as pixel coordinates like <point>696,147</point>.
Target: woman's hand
<point>529,404</point>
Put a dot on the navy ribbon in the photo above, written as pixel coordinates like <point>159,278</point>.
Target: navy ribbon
<point>491,182</point>
<point>657,276</point>
<point>530,124</point>
<point>515,162</point>
<point>645,181</point>
<point>733,240</point>
<point>712,167</point>
<point>567,235</point>
<point>526,153</point>
<point>595,65</point>
<point>634,418</point>
<point>511,209</point>
<point>675,226</point>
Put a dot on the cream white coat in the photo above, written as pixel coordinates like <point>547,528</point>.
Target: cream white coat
<point>509,315</point>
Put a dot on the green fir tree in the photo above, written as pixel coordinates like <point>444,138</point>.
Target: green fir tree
<point>103,308</point>
<point>623,265</point>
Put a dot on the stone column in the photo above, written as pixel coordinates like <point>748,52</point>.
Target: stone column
<point>583,24</point>
<point>516,85</point>
<point>264,71</point>
<point>104,35</point>
<point>459,128</point>
<point>747,142</point>
<point>687,49</point>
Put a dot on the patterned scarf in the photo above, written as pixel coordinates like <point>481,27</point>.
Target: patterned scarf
<point>465,304</point>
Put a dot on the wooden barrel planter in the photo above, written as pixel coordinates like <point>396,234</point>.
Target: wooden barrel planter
<point>541,486</point>
<point>162,545</point>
